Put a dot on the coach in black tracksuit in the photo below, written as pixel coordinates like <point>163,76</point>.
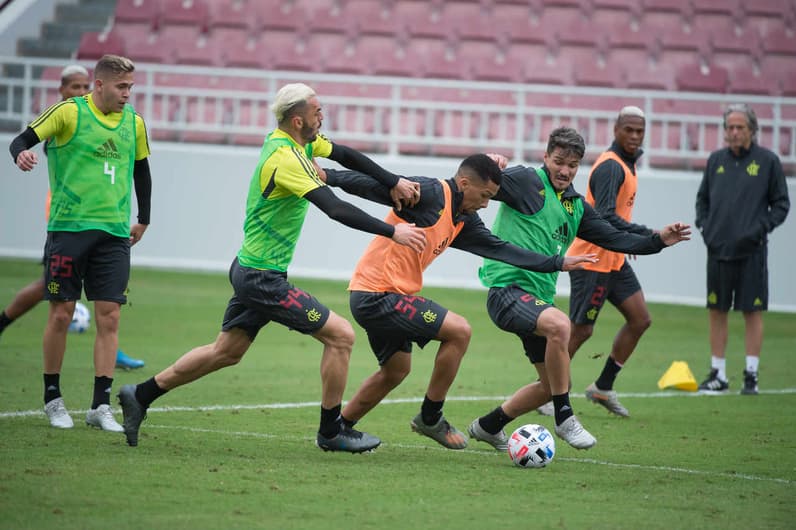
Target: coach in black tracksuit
<point>743,197</point>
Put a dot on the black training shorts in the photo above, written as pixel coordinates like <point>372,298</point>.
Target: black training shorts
<point>514,310</point>
<point>394,321</point>
<point>741,284</point>
<point>590,289</point>
<point>262,296</point>
<point>92,260</point>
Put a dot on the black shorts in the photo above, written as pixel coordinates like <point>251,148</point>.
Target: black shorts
<point>265,295</point>
<point>590,289</point>
<point>394,321</point>
<point>92,260</point>
<point>514,310</point>
<point>742,284</point>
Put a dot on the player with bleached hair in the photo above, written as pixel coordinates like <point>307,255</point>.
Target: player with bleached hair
<point>283,185</point>
<point>611,190</point>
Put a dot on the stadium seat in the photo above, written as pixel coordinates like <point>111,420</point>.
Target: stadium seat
<point>154,48</point>
<point>420,20</point>
<point>142,12</point>
<point>699,79</point>
<point>94,45</point>
<point>591,74</point>
<point>202,52</point>
<point>383,56</point>
<point>746,82</point>
<point>469,21</point>
<point>341,55</point>
<point>544,73</point>
<point>780,42</point>
<point>372,20</point>
<point>233,14</point>
<point>185,12</point>
<point>766,8</point>
<point>277,15</point>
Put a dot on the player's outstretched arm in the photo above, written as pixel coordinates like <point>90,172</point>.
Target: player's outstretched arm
<point>353,217</point>
<point>572,263</point>
<point>402,191</point>
<point>674,233</point>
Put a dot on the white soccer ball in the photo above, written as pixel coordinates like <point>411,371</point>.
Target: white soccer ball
<point>532,446</point>
<point>81,319</point>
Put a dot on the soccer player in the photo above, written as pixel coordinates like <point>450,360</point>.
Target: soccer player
<point>388,278</point>
<point>541,210</point>
<point>611,191</point>
<point>97,152</point>
<point>283,185</point>
<point>74,83</point>
<point>743,196</point>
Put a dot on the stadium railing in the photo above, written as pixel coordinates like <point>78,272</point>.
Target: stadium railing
<point>395,115</point>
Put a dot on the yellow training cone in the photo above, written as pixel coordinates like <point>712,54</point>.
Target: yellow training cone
<point>678,376</point>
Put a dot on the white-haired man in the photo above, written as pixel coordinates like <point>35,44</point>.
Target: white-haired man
<point>611,191</point>
<point>284,182</point>
<point>742,198</point>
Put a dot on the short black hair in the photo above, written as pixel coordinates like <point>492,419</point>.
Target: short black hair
<point>568,140</point>
<point>481,167</point>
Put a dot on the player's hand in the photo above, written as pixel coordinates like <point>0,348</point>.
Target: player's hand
<point>409,235</point>
<point>319,170</point>
<point>572,263</point>
<point>405,193</point>
<point>26,160</point>
<point>136,233</point>
<point>674,233</point>
<point>500,160</point>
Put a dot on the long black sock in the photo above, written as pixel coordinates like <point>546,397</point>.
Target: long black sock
<point>102,391</point>
<point>494,421</point>
<point>52,387</point>
<point>330,421</point>
<point>608,375</point>
<point>147,392</point>
<point>431,411</point>
<point>562,407</point>
<point>4,321</point>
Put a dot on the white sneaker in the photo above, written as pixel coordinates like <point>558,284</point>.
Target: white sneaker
<point>56,412</point>
<point>572,432</point>
<point>546,409</point>
<point>499,441</point>
<point>102,418</point>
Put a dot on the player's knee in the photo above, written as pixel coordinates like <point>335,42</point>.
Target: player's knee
<point>640,325</point>
<point>339,333</point>
<point>61,318</point>
<point>457,328</point>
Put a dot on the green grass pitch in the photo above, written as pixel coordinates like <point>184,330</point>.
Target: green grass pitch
<point>236,450</point>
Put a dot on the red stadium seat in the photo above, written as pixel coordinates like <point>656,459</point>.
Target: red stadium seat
<point>94,45</point>
<point>233,14</point>
<point>185,12</point>
<point>141,12</point>
<point>780,42</point>
<point>371,19</point>
<point>699,79</point>
<point>745,82</point>
<point>592,74</point>
<point>154,48</point>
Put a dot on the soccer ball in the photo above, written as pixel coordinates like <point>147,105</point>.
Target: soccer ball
<point>532,446</point>
<point>81,319</point>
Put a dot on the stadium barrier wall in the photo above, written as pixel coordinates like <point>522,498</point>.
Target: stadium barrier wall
<point>199,194</point>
